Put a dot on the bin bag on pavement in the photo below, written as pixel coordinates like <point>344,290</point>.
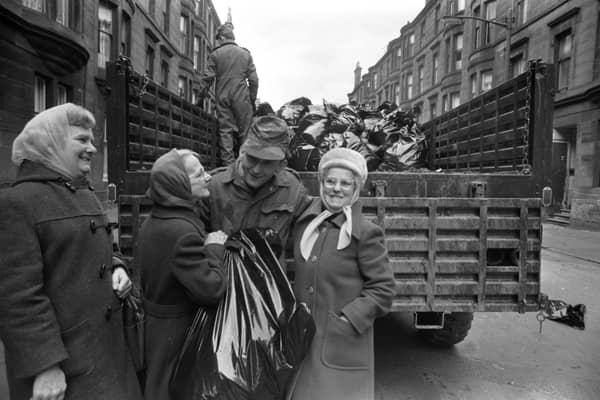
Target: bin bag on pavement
<point>560,311</point>
<point>250,347</point>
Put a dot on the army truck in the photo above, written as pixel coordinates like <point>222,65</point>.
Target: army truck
<point>463,238</point>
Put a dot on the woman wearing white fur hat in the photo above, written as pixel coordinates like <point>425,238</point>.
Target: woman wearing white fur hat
<point>343,274</point>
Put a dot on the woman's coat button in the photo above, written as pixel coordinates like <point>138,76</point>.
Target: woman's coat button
<point>310,289</point>
<point>102,270</point>
<point>93,226</point>
<point>313,258</point>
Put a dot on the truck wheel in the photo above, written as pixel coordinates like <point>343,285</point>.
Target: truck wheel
<point>455,330</point>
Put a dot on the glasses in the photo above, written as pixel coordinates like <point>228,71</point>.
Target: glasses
<point>332,183</point>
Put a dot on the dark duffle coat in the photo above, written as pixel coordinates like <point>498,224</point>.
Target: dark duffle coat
<point>357,282</point>
<point>178,274</point>
<point>57,305</point>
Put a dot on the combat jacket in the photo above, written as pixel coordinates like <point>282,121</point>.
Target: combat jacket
<point>232,205</point>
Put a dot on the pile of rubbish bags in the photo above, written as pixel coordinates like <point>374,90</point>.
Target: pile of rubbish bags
<point>389,138</point>
<point>252,344</point>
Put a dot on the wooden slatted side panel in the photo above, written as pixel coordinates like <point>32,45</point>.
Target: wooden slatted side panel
<point>486,134</point>
<point>460,254</point>
<point>160,120</point>
<point>133,211</point>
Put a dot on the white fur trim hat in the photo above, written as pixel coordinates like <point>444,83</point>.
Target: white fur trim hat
<point>344,158</point>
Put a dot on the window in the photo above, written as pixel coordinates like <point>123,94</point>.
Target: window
<point>196,57</point>
<point>411,45</point>
<point>183,29</point>
<point>399,51</point>
<point>436,19</point>
<point>435,68</point>
<point>460,5</point>
<point>166,15</point>
<point>521,11</point>
<point>149,65</point>
<point>195,96</point>
<point>458,46</point>
<point>409,86</point>
<point>375,80</point>
<point>517,65</point>
<point>63,94</point>
<point>490,14</point>
<point>104,35</point>
<point>476,30</point>
<point>454,100</point>
<point>448,55</point>
<point>39,94</point>
<point>164,73</point>
<point>444,103</point>
<point>199,8</point>
<point>422,38</point>
<point>473,80</point>
<point>432,109</point>
<point>564,47</point>
<point>421,83</point>
<point>62,12</point>
<point>37,5</point>
<point>125,35</point>
<point>397,93</point>
<point>486,80</point>
<point>181,86</point>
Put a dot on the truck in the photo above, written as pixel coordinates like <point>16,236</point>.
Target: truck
<point>463,238</point>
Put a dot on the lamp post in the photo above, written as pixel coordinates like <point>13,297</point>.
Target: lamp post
<point>506,23</point>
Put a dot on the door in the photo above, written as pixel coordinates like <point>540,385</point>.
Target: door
<point>559,172</point>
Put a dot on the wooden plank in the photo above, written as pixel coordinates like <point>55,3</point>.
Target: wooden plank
<point>431,253</point>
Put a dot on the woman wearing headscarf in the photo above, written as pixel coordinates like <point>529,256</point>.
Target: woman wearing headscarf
<point>342,273</point>
<point>180,265</point>
<point>60,314</point>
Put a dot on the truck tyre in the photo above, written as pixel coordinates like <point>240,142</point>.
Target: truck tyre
<point>455,330</point>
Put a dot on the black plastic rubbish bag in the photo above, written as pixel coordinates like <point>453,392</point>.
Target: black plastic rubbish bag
<point>292,111</point>
<point>256,339</point>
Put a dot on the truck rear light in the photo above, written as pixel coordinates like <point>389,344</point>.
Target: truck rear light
<point>547,196</point>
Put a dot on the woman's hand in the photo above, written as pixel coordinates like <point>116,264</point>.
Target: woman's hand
<point>217,237</point>
<point>120,282</point>
<point>49,385</point>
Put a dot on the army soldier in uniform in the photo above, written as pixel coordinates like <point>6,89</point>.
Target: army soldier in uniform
<point>257,191</point>
<point>236,89</point>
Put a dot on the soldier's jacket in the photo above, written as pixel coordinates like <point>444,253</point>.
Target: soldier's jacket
<point>232,205</point>
<point>234,70</point>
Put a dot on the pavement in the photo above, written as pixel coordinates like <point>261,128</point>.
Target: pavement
<point>578,243</point>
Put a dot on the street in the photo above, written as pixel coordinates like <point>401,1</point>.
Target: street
<point>504,356</point>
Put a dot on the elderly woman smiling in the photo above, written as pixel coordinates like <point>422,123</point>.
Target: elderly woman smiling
<point>60,312</point>
<point>343,274</point>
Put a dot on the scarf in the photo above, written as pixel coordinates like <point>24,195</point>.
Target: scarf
<point>311,233</point>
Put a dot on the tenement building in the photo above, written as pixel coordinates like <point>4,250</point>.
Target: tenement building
<point>55,51</point>
<point>455,50</point>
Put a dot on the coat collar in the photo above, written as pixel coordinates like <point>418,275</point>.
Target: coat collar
<point>30,171</point>
<point>316,207</point>
<point>225,43</point>
<point>162,212</point>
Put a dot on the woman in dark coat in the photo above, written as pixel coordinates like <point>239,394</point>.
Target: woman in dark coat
<point>343,275</point>
<point>181,266</point>
<point>60,314</point>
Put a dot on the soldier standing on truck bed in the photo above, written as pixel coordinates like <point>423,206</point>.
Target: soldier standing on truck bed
<point>236,89</point>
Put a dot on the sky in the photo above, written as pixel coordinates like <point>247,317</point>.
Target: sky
<point>310,47</point>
